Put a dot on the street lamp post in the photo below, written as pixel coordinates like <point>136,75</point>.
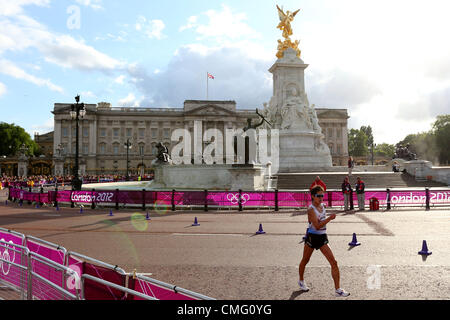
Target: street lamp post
<point>77,111</point>
<point>127,145</point>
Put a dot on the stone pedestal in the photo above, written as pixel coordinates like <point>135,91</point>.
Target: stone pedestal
<point>301,142</point>
<point>301,150</point>
<point>22,167</point>
<point>247,177</point>
<point>58,167</point>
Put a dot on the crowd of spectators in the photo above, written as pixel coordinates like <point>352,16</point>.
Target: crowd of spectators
<point>42,180</point>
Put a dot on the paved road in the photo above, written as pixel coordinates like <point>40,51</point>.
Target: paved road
<point>224,259</point>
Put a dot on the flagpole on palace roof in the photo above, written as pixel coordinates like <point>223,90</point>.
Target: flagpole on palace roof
<point>207,85</point>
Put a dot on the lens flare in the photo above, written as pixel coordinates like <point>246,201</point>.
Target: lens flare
<point>161,207</point>
<point>139,222</point>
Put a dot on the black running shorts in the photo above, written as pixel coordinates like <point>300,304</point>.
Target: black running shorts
<point>316,241</point>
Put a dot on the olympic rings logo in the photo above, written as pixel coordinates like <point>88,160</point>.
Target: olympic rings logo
<point>6,257</point>
<point>234,198</point>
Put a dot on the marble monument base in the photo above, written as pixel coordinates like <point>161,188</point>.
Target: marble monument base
<point>249,177</point>
<point>300,150</point>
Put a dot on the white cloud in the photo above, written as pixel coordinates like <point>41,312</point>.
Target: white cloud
<point>94,4</point>
<point>222,25</point>
<point>151,28</point>
<point>44,128</point>
<point>2,89</point>
<point>88,94</point>
<point>20,33</point>
<point>119,79</point>
<point>129,101</point>
<point>10,69</point>
<point>238,76</point>
<point>8,7</point>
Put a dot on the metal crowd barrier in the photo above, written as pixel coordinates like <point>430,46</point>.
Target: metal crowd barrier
<point>29,275</point>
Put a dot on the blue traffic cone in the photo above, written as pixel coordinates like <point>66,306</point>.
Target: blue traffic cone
<point>424,250</point>
<point>147,217</point>
<point>110,213</point>
<point>354,241</point>
<point>57,208</point>
<point>195,222</point>
<point>260,231</point>
<point>37,205</point>
<point>20,204</point>
<point>81,209</point>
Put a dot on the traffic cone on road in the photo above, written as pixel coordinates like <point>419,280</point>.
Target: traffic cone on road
<point>147,217</point>
<point>424,250</point>
<point>195,222</point>
<point>81,209</point>
<point>260,230</point>
<point>354,242</point>
<point>110,213</point>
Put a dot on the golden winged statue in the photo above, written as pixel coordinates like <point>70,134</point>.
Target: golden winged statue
<point>285,21</point>
<point>285,26</point>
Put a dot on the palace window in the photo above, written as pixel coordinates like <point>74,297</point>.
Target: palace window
<point>85,132</point>
<point>141,133</point>
<point>129,132</point>
<point>102,132</point>
<point>116,132</point>
<point>154,133</point>
<point>64,132</point>
<point>116,149</point>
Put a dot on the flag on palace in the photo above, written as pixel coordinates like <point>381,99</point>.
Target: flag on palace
<point>210,75</point>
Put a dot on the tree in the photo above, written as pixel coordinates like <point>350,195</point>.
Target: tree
<point>357,143</point>
<point>441,131</point>
<point>423,145</point>
<point>384,150</point>
<point>11,139</point>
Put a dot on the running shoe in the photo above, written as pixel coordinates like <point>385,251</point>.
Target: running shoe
<point>303,286</point>
<point>342,293</point>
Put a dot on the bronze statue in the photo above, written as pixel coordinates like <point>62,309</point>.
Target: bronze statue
<point>163,153</point>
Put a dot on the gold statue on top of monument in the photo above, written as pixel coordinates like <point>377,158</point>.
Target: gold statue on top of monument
<point>285,26</point>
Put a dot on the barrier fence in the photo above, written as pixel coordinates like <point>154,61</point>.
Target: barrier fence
<point>34,269</point>
<point>228,199</point>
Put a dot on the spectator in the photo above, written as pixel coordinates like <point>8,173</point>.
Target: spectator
<point>351,165</point>
<point>318,182</point>
<point>347,191</point>
<point>360,186</point>
<point>395,167</point>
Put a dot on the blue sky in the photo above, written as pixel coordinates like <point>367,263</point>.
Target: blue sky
<point>387,63</point>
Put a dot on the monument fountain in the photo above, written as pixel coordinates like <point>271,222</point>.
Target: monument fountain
<point>296,139</point>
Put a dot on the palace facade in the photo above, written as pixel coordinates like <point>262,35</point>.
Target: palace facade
<point>104,130</point>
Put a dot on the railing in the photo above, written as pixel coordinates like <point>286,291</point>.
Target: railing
<point>35,269</point>
<point>206,199</point>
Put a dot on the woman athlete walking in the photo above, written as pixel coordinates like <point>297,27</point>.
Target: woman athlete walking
<point>316,238</point>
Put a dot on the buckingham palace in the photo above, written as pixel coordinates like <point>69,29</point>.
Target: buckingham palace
<point>105,130</point>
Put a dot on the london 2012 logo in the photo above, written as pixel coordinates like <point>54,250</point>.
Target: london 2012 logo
<point>234,197</point>
<point>8,256</point>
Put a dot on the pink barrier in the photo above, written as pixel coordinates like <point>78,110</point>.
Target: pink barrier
<point>8,272</point>
<point>155,291</point>
<point>228,198</point>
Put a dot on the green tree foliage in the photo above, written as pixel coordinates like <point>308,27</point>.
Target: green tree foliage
<point>11,139</point>
<point>384,150</point>
<point>357,143</point>
<point>441,131</point>
<point>368,132</point>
